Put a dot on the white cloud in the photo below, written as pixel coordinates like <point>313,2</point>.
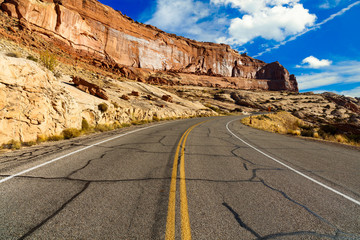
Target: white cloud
<point>341,73</point>
<point>316,26</point>
<point>313,62</point>
<point>188,18</point>
<point>269,19</point>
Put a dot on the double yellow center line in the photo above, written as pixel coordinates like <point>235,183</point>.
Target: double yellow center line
<point>184,213</point>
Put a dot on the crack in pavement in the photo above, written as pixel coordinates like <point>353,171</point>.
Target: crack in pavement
<point>32,230</point>
<point>241,222</point>
<point>243,225</point>
<point>255,178</point>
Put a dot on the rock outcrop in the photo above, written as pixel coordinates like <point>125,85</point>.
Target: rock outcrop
<point>33,102</point>
<point>90,88</point>
<point>108,38</point>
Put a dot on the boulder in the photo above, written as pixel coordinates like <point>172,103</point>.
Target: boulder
<point>90,88</point>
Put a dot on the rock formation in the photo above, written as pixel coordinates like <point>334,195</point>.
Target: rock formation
<point>90,88</point>
<point>33,102</point>
<point>108,38</point>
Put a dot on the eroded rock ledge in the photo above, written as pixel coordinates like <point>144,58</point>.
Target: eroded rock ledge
<point>97,32</point>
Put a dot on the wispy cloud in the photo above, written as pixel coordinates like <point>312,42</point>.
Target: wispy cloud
<point>341,73</point>
<point>352,93</point>
<point>329,4</point>
<point>316,26</point>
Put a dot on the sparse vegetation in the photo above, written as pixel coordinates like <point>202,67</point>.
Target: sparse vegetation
<point>285,123</point>
<point>41,138</point>
<point>156,119</point>
<point>103,107</point>
<point>71,133</point>
<point>13,54</point>
<point>49,60</point>
<point>85,125</point>
<point>32,58</point>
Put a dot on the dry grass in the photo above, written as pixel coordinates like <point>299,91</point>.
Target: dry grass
<point>286,123</point>
<point>281,122</point>
<point>86,129</point>
<point>49,60</point>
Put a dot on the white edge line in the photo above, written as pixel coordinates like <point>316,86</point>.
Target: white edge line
<point>72,153</point>
<point>292,169</point>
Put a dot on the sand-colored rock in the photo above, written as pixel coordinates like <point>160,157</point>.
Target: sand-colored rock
<point>33,102</point>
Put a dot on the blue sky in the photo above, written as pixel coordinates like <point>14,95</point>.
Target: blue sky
<point>318,41</point>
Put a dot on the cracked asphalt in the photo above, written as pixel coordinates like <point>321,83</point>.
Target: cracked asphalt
<point>120,189</point>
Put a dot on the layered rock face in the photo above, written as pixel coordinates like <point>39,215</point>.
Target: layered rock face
<point>95,31</point>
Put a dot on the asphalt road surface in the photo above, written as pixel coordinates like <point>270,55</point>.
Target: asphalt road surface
<point>208,178</point>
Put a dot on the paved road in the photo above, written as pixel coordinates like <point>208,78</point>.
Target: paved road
<point>235,183</point>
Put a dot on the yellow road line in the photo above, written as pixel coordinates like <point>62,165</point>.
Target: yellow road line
<point>185,222</point>
<point>170,222</point>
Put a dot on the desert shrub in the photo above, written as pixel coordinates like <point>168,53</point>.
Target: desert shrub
<point>139,122</point>
<point>104,127</point>
<point>13,54</point>
<point>125,125</point>
<point>103,107</point>
<point>48,60</point>
<point>29,143</point>
<point>32,58</point>
<point>156,119</point>
<point>14,145</point>
<point>56,138</point>
<point>294,132</point>
<point>117,125</point>
<point>41,138</point>
<point>307,133</point>
<point>341,138</point>
<point>71,133</point>
<point>85,125</point>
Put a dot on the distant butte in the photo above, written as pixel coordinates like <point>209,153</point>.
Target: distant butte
<point>107,38</point>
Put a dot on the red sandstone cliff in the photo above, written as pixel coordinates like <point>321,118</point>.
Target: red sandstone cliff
<point>95,31</point>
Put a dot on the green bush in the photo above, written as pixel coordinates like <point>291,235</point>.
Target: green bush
<point>71,133</point>
<point>48,60</point>
<point>103,107</point>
